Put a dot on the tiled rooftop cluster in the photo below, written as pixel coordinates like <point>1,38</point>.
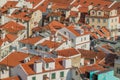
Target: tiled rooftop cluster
<point>59,39</point>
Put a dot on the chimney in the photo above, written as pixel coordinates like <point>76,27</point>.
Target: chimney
<point>38,66</point>
<point>67,63</point>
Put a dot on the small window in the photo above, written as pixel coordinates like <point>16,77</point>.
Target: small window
<point>53,76</point>
<point>46,49</point>
<point>84,38</point>
<point>62,74</point>
<point>47,65</point>
<point>104,20</point>
<point>87,21</point>
<point>118,70</point>
<point>33,78</point>
<point>76,72</point>
<point>23,45</point>
<point>93,20</point>
<point>66,42</point>
<point>116,20</point>
<point>112,20</point>
<point>72,40</point>
<point>81,39</point>
<point>99,20</point>
<point>99,13</point>
<point>65,33</point>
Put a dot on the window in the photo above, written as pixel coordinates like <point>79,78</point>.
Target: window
<point>87,21</point>
<point>62,74</point>
<point>47,65</point>
<point>93,12</point>
<point>98,20</point>
<point>112,20</point>
<point>84,38</point>
<point>118,70</point>
<point>53,75</point>
<point>92,20</point>
<point>30,46</point>
<point>116,20</point>
<point>104,20</point>
<point>46,49</point>
<point>65,33</point>
<point>81,39</point>
<point>23,45</point>
<point>66,42</point>
<point>98,27</point>
<point>76,72</point>
<point>99,13</point>
<point>33,78</point>
<point>72,40</point>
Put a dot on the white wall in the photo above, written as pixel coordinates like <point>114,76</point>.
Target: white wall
<point>67,75</point>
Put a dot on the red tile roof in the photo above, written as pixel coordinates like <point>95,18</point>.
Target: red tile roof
<point>54,25</point>
<point>73,14</point>
<point>91,54</point>
<point>105,31</point>
<point>8,4</point>
<point>22,14</point>
<point>48,60</point>
<point>60,6</point>
<point>31,40</point>
<point>94,35</point>
<point>50,44</point>
<point>14,58</point>
<point>90,67</point>
<point>10,37</point>
<point>75,32</point>
<point>13,27</point>
<point>34,2</point>
<point>67,52</point>
<point>37,29</point>
<point>11,78</point>
<point>86,3</point>
<point>43,6</point>
<point>83,9</point>
<point>30,71</point>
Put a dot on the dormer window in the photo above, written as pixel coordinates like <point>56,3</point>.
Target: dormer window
<point>93,12</point>
<point>99,13</point>
<point>65,33</point>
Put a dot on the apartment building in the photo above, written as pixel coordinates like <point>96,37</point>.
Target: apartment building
<point>45,68</point>
<point>104,17</point>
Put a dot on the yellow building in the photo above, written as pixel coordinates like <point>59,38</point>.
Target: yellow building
<point>99,17</point>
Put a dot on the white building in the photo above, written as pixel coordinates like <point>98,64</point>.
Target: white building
<point>53,69</point>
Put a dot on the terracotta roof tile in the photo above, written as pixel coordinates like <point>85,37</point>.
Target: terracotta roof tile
<point>9,4</point>
<point>67,52</point>
<point>14,59</point>
<point>43,6</point>
<point>12,78</point>
<point>34,2</point>
<point>48,60</point>
<point>30,71</point>
<point>13,27</point>
<point>90,68</point>
<point>50,44</point>
<point>31,40</point>
<point>91,54</point>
